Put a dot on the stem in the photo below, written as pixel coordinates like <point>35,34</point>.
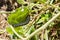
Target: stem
<point>51,1</point>
<point>47,1</point>
<point>6,12</point>
<point>16,33</point>
<point>46,34</point>
<point>42,35</point>
<point>44,26</point>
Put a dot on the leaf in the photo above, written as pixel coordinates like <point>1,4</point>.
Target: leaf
<point>9,30</point>
<point>41,20</point>
<point>33,0</point>
<point>20,1</point>
<point>20,30</point>
<point>44,18</point>
<point>42,1</point>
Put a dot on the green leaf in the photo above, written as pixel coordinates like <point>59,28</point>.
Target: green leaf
<point>38,1</point>
<point>20,1</point>
<point>42,1</point>
<point>9,30</point>
<point>44,18</point>
<point>20,30</point>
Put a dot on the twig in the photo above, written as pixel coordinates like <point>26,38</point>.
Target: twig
<point>43,27</point>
